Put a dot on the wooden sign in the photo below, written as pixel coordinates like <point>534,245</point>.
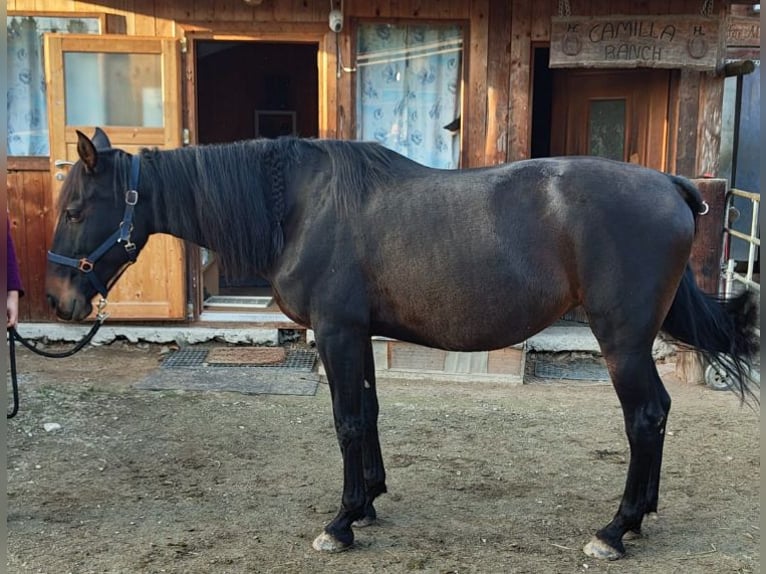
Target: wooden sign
<point>635,41</point>
<point>743,32</point>
<point>743,38</point>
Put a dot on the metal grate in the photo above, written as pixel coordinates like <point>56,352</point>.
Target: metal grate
<point>296,360</point>
<point>185,357</point>
<point>550,366</point>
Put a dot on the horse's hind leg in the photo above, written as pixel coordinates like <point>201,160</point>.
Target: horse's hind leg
<point>372,459</point>
<point>645,405</point>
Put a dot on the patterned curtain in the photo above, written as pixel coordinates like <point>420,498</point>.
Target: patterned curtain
<point>27,109</point>
<point>408,90</point>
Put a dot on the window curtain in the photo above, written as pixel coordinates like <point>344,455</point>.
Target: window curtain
<point>408,90</point>
<point>26,97</point>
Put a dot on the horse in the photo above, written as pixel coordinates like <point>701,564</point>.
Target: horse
<point>358,241</point>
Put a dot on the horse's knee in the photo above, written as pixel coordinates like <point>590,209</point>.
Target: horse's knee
<point>349,430</point>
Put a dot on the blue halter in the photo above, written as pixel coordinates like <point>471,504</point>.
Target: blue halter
<point>121,236</point>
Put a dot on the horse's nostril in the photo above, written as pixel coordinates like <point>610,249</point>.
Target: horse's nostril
<point>51,301</point>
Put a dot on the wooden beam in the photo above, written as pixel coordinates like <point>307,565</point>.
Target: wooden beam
<point>688,115</point>
<point>706,250</point>
<point>518,87</point>
<point>498,70</point>
<point>474,127</point>
<point>709,129</point>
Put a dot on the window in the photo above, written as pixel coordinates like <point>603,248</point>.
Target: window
<point>115,89</point>
<point>26,96</point>
<point>606,129</point>
<point>409,80</point>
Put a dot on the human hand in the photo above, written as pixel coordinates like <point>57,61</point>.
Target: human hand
<point>13,309</point>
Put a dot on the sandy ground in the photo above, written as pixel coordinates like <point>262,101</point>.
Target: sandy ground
<point>482,478</point>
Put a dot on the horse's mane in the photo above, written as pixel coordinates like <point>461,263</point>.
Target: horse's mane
<point>237,190</point>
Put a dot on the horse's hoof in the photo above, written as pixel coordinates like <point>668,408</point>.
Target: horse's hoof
<point>328,543</point>
<point>599,549</point>
<point>364,521</point>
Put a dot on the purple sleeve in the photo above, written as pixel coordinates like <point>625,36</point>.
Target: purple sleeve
<point>14,276</point>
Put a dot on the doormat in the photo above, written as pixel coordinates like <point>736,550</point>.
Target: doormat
<point>246,356</point>
<point>296,359</point>
<point>566,366</point>
<point>238,369</point>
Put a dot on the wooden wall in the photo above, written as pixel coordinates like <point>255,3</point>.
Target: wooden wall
<point>500,38</point>
<point>31,218</point>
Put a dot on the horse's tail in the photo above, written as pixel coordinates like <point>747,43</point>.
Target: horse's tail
<point>722,330</point>
<point>690,193</point>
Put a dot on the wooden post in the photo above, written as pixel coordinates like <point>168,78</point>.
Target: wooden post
<point>706,264</point>
<point>707,248</point>
<point>689,367</point>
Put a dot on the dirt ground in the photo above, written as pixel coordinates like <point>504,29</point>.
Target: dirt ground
<point>482,477</point>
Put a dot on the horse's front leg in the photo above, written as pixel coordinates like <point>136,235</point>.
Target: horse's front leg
<point>372,459</point>
<point>342,351</point>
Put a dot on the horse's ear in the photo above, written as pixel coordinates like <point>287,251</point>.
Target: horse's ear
<point>86,150</point>
<point>101,140</point>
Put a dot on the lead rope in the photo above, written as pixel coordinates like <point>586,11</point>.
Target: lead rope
<point>13,336</point>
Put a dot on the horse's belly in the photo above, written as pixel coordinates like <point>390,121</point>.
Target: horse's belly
<point>488,320</point>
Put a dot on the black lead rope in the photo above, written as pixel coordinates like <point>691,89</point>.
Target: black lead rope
<point>13,336</point>
<point>14,381</point>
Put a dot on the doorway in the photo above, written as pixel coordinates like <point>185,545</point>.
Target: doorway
<point>244,90</point>
<point>618,114</point>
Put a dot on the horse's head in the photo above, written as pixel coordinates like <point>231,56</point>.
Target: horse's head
<point>99,230</point>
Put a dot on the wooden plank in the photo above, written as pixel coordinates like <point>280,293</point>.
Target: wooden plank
<point>706,250</point>
<point>144,23</point>
<point>635,41</point>
<point>498,71</point>
<point>474,129</point>
<point>687,117</point>
<point>505,361</point>
<point>709,132</point>
<point>519,85</point>
<point>541,15</point>
<point>31,230</point>
<point>203,10</point>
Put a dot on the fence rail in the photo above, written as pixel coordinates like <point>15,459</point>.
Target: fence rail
<point>734,280</point>
<point>753,240</point>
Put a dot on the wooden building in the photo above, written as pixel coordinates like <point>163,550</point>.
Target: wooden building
<point>640,81</point>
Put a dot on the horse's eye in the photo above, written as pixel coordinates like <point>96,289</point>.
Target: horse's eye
<point>72,216</point>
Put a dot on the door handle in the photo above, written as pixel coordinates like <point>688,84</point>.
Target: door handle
<point>58,164</point>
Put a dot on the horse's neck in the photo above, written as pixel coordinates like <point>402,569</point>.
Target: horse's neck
<point>228,198</point>
<point>174,200</point>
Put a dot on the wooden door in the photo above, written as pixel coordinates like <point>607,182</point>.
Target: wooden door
<point>620,114</point>
<point>129,86</point>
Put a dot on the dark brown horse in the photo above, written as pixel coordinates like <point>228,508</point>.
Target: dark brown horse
<point>359,241</point>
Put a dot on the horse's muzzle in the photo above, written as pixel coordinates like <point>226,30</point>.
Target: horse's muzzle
<point>67,302</point>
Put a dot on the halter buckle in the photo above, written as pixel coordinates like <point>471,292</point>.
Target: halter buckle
<point>100,315</point>
<point>131,197</point>
<point>85,265</point>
